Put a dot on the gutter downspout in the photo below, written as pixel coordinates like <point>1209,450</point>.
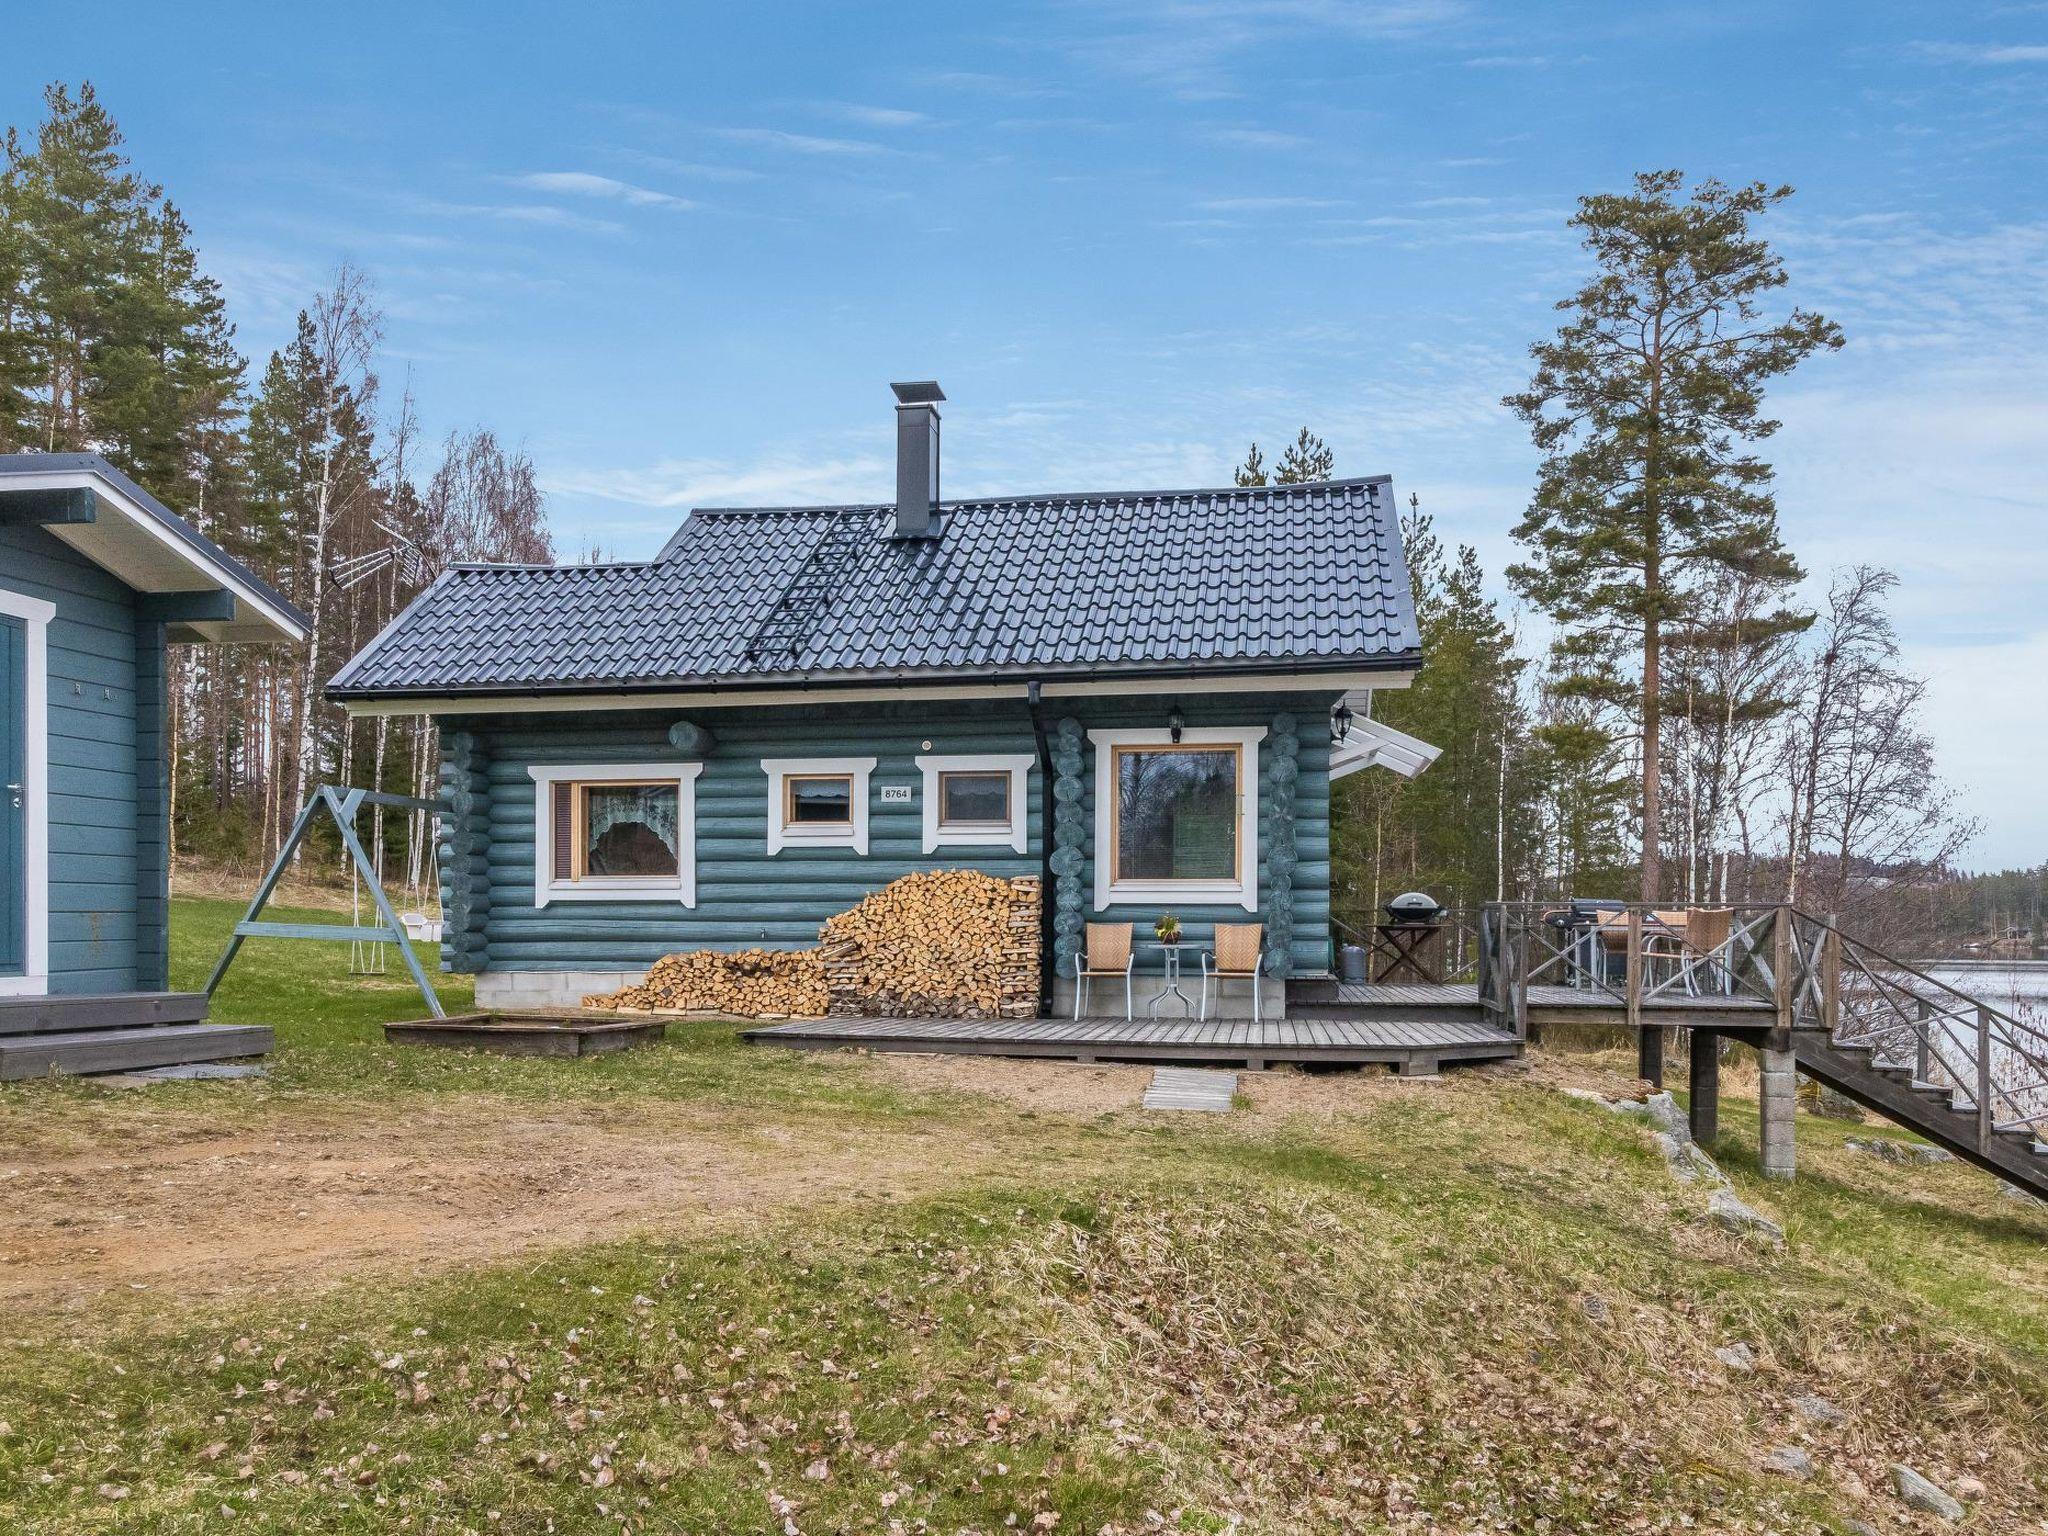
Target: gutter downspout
<point>1047,961</point>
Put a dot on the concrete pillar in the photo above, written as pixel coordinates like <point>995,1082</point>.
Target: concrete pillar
<point>1704,1086</point>
<point>1775,1105</point>
<point>1650,1055</point>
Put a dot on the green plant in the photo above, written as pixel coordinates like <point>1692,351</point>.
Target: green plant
<point>1167,928</point>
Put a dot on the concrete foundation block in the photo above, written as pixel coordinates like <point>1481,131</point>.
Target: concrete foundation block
<point>498,990</point>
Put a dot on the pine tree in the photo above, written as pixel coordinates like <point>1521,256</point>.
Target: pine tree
<point>1307,458</point>
<point>1645,405</point>
<point>18,370</point>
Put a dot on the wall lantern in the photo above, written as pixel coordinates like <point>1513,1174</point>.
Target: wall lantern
<point>1340,722</point>
<point>1176,722</point>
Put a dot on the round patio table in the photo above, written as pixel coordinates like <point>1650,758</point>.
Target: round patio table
<point>1171,952</point>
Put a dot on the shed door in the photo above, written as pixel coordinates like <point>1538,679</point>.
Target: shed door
<point>13,795</point>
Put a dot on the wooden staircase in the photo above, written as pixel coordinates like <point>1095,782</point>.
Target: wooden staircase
<point>2012,1152</point>
<point>117,1032</point>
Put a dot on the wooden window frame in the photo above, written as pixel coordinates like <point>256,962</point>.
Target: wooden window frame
<point>789,784</point>
<point>1242,889</point>
<point>986,823</point>
<point>786,833</point>
<point>579,828</point>
<point>551,885</point>
<point>1011,833</point>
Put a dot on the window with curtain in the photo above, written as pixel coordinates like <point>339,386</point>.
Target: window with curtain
<point>617,831</point>
<point>974,799</point>
<point>1177,812</point>
<point>818,800</point>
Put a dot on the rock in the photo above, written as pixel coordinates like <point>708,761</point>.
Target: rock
<point>1969,1489</point>
<point>1665,1114</point>
<point>1730,1212</point>
<point>1595,1308</point>
<point>1687,1162</point>
<point>1920,1494</point>
<point>1889,1151</point>
<point>2018,1196</point>
<point>1830,1105</point>
<point>1817,1410</point>
<point>1789,1461</point>
<point>1860,1528</point>
<point>1738,1357</point>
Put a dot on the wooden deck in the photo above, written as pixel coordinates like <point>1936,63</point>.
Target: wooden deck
<point>1550,1004</point>
<point>1413,1046</point>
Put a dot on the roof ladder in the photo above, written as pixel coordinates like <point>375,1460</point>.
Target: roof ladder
<point>802,603</point>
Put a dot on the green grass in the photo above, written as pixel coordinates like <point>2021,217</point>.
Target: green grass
<point>1478,1304</point>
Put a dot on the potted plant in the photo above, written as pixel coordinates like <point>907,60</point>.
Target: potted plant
<point>1167,928</point>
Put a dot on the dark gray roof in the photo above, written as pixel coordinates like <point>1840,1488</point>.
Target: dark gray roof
<point>1283,578</point>
<point>203,549</point>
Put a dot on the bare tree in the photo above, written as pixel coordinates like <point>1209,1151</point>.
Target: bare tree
<point>1866,808</point>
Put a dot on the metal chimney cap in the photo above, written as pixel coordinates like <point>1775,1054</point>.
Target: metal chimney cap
<point>918,392</point>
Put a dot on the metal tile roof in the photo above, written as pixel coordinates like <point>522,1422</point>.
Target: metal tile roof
<point>1292,577</point>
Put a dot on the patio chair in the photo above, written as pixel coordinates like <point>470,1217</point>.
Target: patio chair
<point>1110,953</point>
<point>1236,958</point>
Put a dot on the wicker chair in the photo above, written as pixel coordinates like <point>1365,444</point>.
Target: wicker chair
<point>1110,953</point>
<point>1236,958</point>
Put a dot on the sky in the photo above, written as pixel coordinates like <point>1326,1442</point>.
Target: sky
<point>678,251</point>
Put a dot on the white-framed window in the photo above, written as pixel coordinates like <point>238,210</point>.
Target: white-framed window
<point>817,802</point>
<point>1177,821</point>
<point>615,832</point>
<point>975,800</point>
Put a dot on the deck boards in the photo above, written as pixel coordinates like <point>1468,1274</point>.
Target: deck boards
<point>1541,995</point>
<point>1314,1039</point>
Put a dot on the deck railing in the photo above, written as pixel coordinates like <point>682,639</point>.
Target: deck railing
<point>1460,937</point>
<point>1799,966</point>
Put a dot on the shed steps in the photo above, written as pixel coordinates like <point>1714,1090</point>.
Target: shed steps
<point>66,1012</point>
<point>124,1050</point>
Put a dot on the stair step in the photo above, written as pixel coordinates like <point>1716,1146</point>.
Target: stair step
<point>65,1014</point>
<point>123,1050</point>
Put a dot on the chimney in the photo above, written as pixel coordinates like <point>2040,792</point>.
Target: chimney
<point>917,458</point>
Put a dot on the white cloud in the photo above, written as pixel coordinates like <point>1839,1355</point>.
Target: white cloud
<point>873,117</point>
<point>683,483</point>
<point>587,184</point>
<point>1258,138</point>
<point>1266,204</point>
<point>1983,53</point>
<point>801,143</point>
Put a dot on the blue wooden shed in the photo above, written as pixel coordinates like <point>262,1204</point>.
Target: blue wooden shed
<point>96,578</point>
<point>1129,694</point>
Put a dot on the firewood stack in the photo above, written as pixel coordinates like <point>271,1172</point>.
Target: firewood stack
<point>752,984</point>
<point>942,943</point>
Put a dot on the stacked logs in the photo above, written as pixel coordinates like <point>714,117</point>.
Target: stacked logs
<point>752,984</point>
<point>942,943</point>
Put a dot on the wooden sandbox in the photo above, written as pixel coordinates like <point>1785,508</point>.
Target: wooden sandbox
<point>533,1032</point>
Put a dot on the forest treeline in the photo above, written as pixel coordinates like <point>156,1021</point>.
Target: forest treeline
<point>115,340</point>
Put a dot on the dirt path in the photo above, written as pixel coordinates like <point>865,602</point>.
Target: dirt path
<point>172,1207</point>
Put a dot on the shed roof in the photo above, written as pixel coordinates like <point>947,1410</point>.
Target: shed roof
<point>150,548</point>
<point>1263,579</point>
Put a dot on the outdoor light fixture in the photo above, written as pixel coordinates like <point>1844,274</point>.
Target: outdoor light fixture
<point>1176,722</point>
<point>1340,722</point>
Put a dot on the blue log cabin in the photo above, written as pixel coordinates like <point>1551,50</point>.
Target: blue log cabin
<point>1129,694</point>
<point>96,578</point>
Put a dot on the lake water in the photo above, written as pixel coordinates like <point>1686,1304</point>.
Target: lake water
<point>2000,983</point>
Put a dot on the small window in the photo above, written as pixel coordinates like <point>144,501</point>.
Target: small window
<point>1176,813</point>
<point>819,800</point>
<point>974,801</point>
<point>612,831</point>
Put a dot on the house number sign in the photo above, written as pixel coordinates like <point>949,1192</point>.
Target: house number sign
<point>895,794</point>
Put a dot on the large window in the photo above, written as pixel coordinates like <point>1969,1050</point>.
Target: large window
<point>976,800</point>
<point>817,802</point>
<point>1176,821</point>
<point>1176,812</point>
<point>615,832</point>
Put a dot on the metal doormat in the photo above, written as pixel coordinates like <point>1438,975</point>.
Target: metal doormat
<point>1191,1088</point>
